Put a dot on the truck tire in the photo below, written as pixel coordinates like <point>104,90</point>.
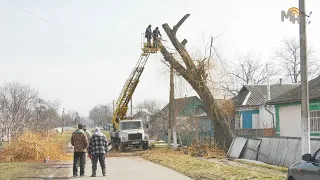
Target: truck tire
<point>145,146</point>
<point>122,147</point>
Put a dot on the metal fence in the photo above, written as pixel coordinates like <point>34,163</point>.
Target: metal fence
<point>282,151</point>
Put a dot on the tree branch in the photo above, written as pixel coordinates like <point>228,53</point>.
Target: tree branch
<point>177,26</point>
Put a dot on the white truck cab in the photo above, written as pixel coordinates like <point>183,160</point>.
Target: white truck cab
<point>131,133</point>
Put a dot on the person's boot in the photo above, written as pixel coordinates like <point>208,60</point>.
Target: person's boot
<point>104,172</point>
<point>94,173</point>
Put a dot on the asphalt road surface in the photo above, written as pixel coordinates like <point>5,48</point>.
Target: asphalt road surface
<point>131,168</point>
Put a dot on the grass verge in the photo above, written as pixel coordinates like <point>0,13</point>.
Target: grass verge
<point>206,170</point>
<point>23,170</point>
<point>278,168</point>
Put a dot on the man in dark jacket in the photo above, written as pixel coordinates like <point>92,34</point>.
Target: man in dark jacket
<point>80,143</point>
<point>156,34</point>
<point>148,35</point>
<point>98,148</point>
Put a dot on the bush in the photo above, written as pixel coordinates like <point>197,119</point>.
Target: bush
<point>31,146</point>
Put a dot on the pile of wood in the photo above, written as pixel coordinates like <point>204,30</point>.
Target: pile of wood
<point>203,150</point>
<point>32,147</point>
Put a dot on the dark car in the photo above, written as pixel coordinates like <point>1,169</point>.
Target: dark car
<point>308,169</point>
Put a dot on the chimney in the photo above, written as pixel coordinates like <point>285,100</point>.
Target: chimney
<point>281,81</point>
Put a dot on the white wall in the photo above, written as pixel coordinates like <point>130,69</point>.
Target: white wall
<point>265,117</point>
<point>255,121</point>
<point>290,121</point>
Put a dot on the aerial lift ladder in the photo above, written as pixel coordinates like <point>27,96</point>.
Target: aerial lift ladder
<point>128,89</point>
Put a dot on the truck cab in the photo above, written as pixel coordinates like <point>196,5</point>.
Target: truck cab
<point>132,133</point>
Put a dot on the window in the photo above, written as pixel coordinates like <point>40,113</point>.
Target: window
<point>314,120</point>
<point>130,125</point>
<point>197,109</point>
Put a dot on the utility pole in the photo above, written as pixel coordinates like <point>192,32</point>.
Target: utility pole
<point>305,121</point>
<point>62,118</point>
<point>171,99</point>
<point>268,83</point>
<point>112,106</point>
<point>173,112</point>
<point>131,105</point>
<point>210,53</point>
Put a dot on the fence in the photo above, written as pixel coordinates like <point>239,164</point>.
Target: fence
<point>270,132</point>
<point>283,151</point>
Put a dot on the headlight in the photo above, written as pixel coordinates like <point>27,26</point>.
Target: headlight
<point>123,138</point>
<point>146,137</point>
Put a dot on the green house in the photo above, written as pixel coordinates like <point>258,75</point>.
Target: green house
<point>288,111</point>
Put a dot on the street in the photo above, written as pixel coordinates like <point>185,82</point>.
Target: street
<point>126,168</point>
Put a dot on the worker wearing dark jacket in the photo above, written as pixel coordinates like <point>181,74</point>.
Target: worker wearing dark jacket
<point>80,143</point>
<point>98,148</point>
<point>148,35</point>
<point>156,34</point>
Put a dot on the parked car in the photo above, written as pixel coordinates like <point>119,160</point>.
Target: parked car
<point>308,169</point>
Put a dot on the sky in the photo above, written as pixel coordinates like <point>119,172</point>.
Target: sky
<point>81,52</point>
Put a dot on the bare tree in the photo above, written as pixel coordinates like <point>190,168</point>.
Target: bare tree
<point>247,69</point>
<point>289,59</point>
<point>196,77</point>
<point>100,114</point>
<point>152,106</point>
<point>17,106</point>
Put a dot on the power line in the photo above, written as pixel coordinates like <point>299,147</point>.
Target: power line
<point>64,29</point>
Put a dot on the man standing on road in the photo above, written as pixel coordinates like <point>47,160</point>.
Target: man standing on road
<point>98,147</point>
<point>87,132</point>
<point>80,142</point>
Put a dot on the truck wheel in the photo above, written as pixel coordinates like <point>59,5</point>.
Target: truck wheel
<point>122,147</point>
<point>145,146</point>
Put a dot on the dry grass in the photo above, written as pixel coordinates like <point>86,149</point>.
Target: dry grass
<point>201,169</point>
<point>204,150</point>
<point>33,147</point>
<point>278,168</point>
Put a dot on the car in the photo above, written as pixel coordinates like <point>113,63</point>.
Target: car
<point>307,169</point>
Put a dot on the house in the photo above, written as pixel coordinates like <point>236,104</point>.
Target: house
<point>288,111</point>
<point>142,114</point>
<point>251,112</point>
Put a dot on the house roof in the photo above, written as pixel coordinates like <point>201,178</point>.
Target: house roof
<point>136,111</point>
<point>180,103</point>
<point>294,95</point>
<point>256,95</point>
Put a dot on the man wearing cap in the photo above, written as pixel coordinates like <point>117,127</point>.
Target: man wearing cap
<point>80,143</point>
<point>98,147</point>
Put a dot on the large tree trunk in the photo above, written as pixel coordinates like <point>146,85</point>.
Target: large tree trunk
<point>196,78</point>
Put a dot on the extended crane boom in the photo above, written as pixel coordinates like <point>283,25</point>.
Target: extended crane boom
<point>128,89</point>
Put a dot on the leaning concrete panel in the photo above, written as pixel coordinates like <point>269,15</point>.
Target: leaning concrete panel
<point>236,147</point>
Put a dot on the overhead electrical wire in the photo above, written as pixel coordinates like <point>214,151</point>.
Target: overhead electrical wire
<point>64,29</point>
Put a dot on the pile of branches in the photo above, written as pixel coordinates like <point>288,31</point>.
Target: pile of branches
<point>31,146</point>
<point>204,150</point>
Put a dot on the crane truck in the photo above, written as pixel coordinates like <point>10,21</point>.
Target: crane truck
<point>128,132</point>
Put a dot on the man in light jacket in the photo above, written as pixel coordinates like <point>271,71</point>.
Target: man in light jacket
<point>98,148</point>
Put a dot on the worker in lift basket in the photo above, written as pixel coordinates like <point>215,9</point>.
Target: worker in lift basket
<point>98,147</point>
<point>155,34</point>
<point>148,35</point>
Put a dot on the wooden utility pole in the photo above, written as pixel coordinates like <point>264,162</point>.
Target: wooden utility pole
<point>62,118</point>
<point>305,121</point>
<point>173,112</point>
<point>171,99</point>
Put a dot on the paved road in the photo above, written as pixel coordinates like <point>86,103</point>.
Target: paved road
<point>132,168</point>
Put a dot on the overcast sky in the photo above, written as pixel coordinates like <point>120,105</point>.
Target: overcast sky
<point>81,52</point>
